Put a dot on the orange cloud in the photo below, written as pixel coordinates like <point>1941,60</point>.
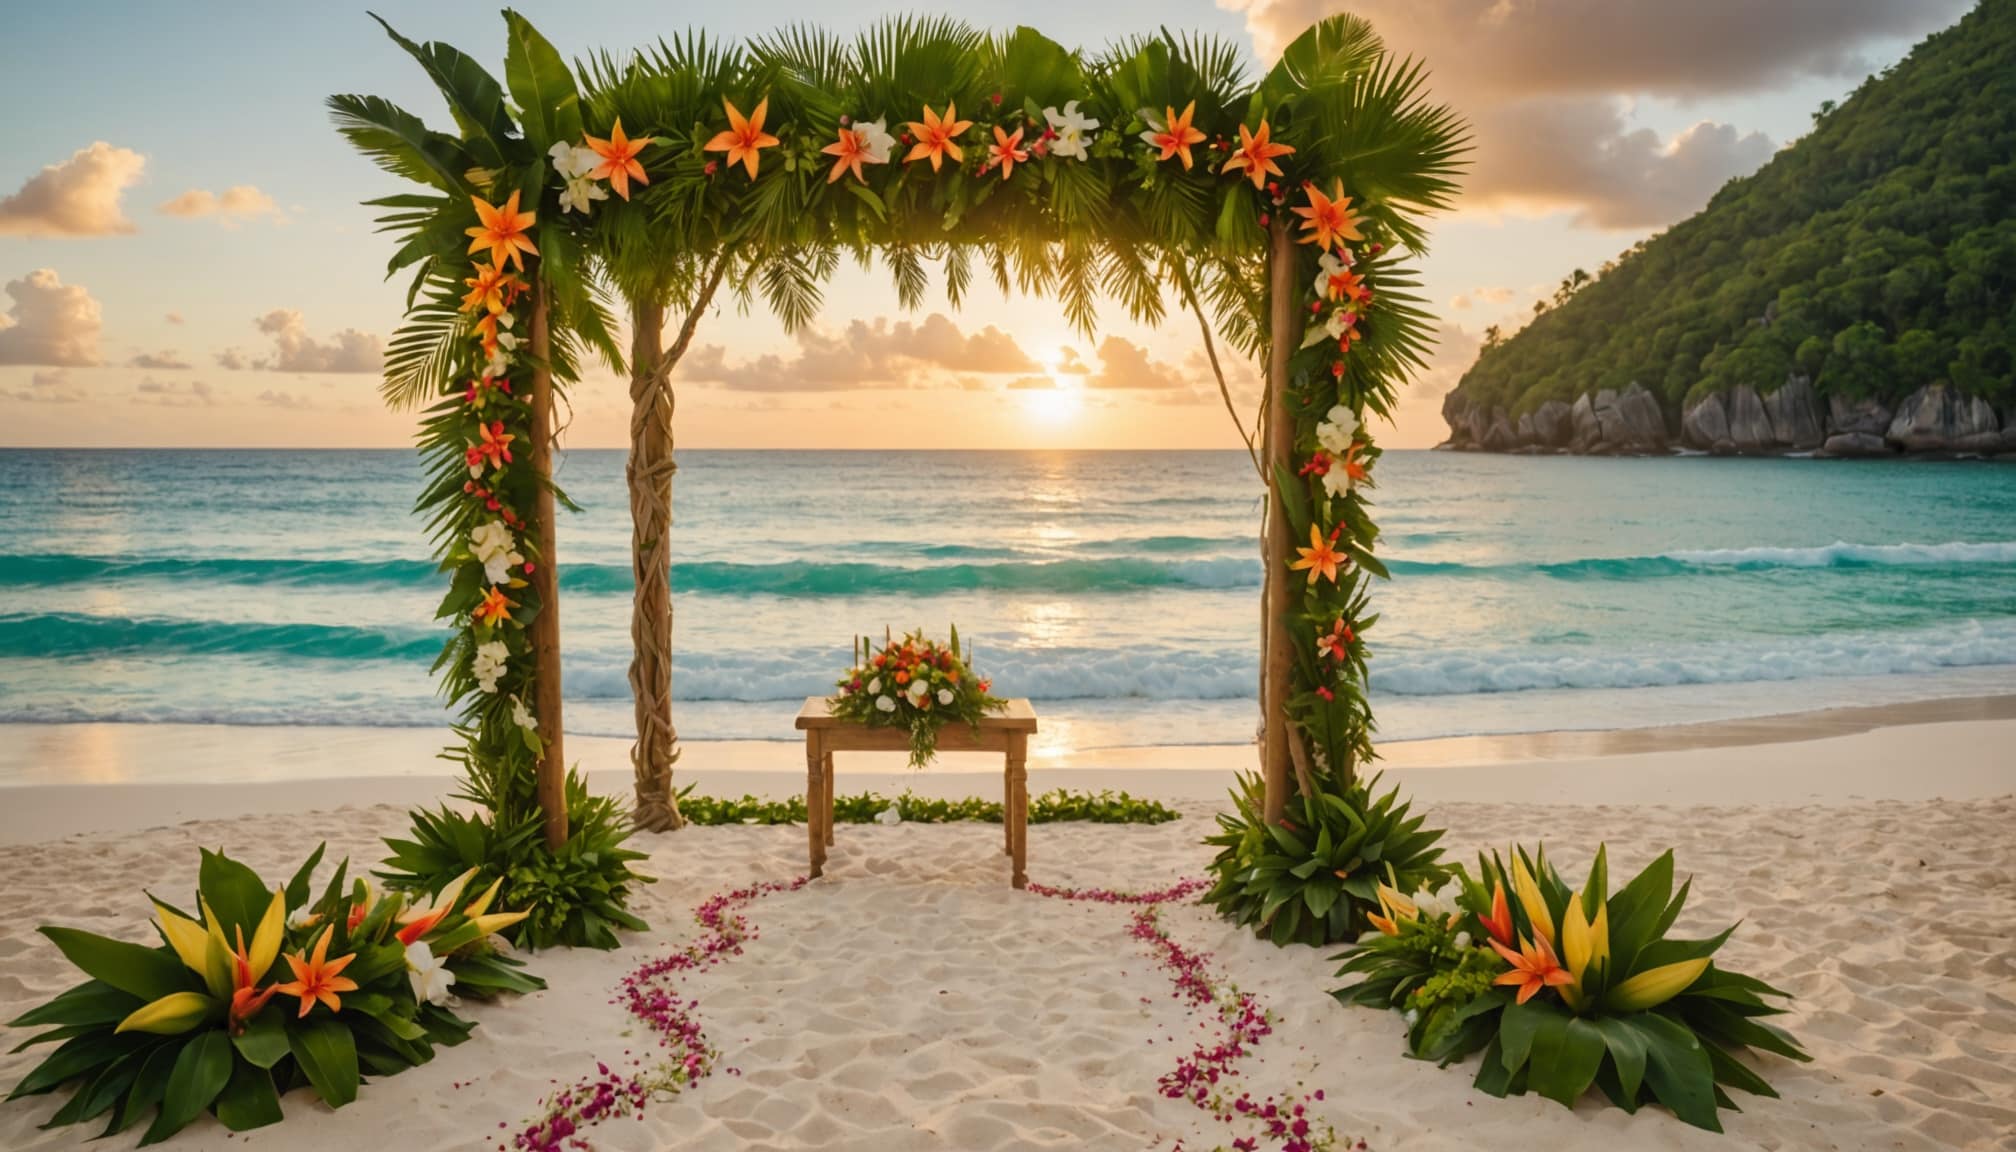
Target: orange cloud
<point>79,197</point>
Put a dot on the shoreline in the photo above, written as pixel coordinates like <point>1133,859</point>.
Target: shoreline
<point>92,778</point>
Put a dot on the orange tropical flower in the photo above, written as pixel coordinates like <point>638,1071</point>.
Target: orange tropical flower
<point>938,138</point>
<point>1533,968</point>
<point>492,288</point>
<point>494,607</point>
<point>1335,643</point>
<point>1327,219</point>
<point>1499,923</point>
<point>503,232</point>
<point>486,330</point>
<point>1176,136</point>
<point>1354,468</point>
<point>318,978</point>
<point>1006,151</point>
<point>852,150</point>
<point>494,449</point>
<point>1321,558</point>
<point>745,139</point>
<point>1255,155</point>
<point>619,157</point>
<point>245,1001</point>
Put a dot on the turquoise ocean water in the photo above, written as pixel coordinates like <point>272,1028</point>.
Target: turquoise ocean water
<point>1117,589</point>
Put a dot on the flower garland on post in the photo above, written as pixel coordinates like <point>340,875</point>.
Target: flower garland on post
<point>483,499</point>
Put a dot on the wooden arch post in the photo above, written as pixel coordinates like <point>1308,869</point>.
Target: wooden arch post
<point>1284,336</point>
<point>551,779</point>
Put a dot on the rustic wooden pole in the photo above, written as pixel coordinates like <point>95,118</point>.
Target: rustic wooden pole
<point>552,769</point>
<point>649,471</point>
<point>1284,334</point>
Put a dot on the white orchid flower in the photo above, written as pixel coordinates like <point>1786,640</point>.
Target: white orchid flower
<point>580,195</point>
<point>429,974</point>
<point>1339,320</point>
<point>489,664</point>
<point>1338,428</point>
<point>1073,131</point>
<point>562,155</point>
<point>875,139</point>
<point>499,363</point>
<point>522,716</point>
<point>1337,482</point>
<point>492,544</point>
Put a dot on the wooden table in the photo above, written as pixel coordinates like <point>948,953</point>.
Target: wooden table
<point>1006,732</point>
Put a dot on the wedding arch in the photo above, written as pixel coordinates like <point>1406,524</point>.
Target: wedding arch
<point>1284,213</point>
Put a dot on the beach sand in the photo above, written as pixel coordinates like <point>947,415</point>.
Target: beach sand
<point>911,1000</point>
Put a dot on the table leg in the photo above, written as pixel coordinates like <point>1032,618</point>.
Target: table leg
<point>1007,810</point>
<point>826,770</point>
<point>815,807</point>
<point>1018,794</point>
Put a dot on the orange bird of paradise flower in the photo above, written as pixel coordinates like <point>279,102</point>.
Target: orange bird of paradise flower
<point>494,608</point>
<point>246,1001</point>
<point>503,232</point>
<point>1006,151</point>
<point>1327,219</point>
<point>1176,139</point>
<point>1354,468</point>
<point>318,978</point>
<point>619,156</point>
<point>1499,923</point>
<point>1533,967</point>
<point>938,138</point>
<point>852,150</point>
<point>745,139</point>
<point>491,288</point>
<point>1321,558</point>
<point>1255,155</point>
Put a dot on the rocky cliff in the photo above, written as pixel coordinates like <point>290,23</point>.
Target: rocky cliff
<point>1738,421</point>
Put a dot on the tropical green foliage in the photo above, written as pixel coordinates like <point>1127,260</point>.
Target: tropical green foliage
<point>1313,878</point>
<point>1057,805</point>
<point>575,897</point>
<point>1605,997</point>
<point>1875,256</point>
<point>207,1020</point>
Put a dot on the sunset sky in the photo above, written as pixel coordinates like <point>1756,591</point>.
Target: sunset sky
<point>183,259</point>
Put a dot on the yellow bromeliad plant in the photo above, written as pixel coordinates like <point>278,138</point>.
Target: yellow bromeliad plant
<point>261,991</point>
<point>1567,988</point>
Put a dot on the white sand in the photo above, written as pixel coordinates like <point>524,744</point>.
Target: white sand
<point>911,1000</point>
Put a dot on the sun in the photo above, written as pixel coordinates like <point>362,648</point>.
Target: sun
<point>1062,400</point>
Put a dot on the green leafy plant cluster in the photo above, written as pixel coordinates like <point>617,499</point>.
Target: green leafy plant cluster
<point>207,1020</point>
<point>1875,256</point>
<point>576,897</point>
<point>1103,807</point>
<point>1604,998</point>
<point>1314,878</point>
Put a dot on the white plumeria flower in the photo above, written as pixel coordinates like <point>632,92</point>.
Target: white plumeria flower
<point>1338,428</point>
<point>891,816</point>
<point>885,704</point>
<point>522,716</point>
<point>489,664</point>
<point>508,341</point>
<point>580,195</point>
<point>429,974</point>
<point>1073,131</point>
<point>875,139</point>
<point>492,544</point>
<point>944,696</point>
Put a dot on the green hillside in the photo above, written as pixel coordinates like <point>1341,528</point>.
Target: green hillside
<point>1873,258</point>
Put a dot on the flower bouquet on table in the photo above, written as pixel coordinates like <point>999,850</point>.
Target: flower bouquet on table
<point>917,685</point>
<point>1564,990</point>
<point>260,992</point>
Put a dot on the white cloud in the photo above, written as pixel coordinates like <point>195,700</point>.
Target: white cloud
<point>174,393</point>
<point>864,355</point>
<point>292,400</point>
<point>166,360</point>
<point>1546,85</point>
<point>295,350</point>
<point>238,202</point>
<point>49,386</point>
<point>50,323</point>
<point>79,197</point>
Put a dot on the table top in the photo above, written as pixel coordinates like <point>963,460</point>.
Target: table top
<point>1018,716</point>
